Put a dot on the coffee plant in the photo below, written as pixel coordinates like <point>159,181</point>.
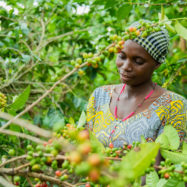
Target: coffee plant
<point>53,54</point>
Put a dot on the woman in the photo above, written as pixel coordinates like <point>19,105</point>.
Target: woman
<point>119,114</point>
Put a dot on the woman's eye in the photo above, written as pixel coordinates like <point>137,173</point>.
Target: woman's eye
<point>139,61</point>
<point>122,56</point>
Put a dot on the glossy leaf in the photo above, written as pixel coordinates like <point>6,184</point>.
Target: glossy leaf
<point>20,101</point>
<point>152,179</point>
<point>182,31</point>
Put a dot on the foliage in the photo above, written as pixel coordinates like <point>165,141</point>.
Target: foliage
<point>47,42</point>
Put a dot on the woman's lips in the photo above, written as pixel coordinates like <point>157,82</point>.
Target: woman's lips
<point>126,77</point>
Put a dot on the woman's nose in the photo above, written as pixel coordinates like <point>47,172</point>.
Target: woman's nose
<point>127,65</point>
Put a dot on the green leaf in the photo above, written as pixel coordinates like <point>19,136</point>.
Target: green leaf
<point>53,116</point>
<point>82,120</point>
<point>174,183</point>
<point>143,140</point>
<point>134,164</point>
<point>182,31</point>
<point>123,11</point>
<point>172,136</point>
<point>162,12</point>
<point>26,58</point>
<point>163,140</point>
<point>161,183</point>
<point>58,125</point>
<point>184,148</point>
<point>175,158</point>
<point>71,120</point>
<point>152,179</point>
<point>20,101</point>
<point>98,146</point>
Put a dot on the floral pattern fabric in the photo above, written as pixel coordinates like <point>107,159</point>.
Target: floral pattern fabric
<point>168,109</point>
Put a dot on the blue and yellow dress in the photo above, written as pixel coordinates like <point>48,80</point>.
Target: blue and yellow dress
<point>169,108</point>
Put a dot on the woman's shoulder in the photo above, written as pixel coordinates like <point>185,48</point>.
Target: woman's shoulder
<point>172,98</point>
<point>176,97</point>
<point>102,94</point>
<point>105,89</point>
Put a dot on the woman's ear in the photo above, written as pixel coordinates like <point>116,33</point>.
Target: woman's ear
<point>157,65</point>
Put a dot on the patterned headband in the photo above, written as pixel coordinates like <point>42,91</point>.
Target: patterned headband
<point>156,43</point>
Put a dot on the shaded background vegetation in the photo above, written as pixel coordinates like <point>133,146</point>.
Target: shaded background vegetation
<point>39,39</point>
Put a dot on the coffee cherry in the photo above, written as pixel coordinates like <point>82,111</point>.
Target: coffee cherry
<point>50,141</point>
<point>64,177</point>
<point>79,60</point>
<point>16,179</point>
<point>36,167</point>
<point>132,29</point>
<point>111,50</point>
<point>38,148</point>
<point>121,42</point>
<point>29,147</point>
<point>85,55</point>
<point>94,175</point>
<point>77,65</point>
<point>85,148</point>
<point>58,173</point>
<point>83,169</point>
<point>11,152</point>
<point>114,37</point>
<point>144,34</point>
<point>81,72</point>
<point>129,146</point>
<point>126,37</point>
<point>83,135</point>
<point>87,185</point>
<point>3,100</point>
<point>75,157</point>
<point>111,145</point>
<point>166,175</point>
<point>90,55</point>
<point>54,152</point>
<point>65,164</point>
<point>185,178</point>
<point>17,183</point>
<point>137,33</point>
<point>54,164</point>
<point>94,160</point>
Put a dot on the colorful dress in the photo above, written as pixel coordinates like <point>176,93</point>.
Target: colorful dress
<point>169,108</point>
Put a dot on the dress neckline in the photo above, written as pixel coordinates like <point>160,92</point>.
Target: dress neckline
<point>139,113</point>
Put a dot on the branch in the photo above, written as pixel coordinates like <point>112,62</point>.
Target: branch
<point>22,135</point>
<point>173,76</point>
<point>58,157</point>
<point>59,37</point>
<point>5,182</point>
<point>50,90</point>
<point>43,96</point>
<point>42,36</point>
<point>26,124</point>
<point>41,176</point>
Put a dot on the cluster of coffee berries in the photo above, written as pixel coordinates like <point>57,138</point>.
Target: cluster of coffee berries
<point>36,157</point>
<point>17,180</point>
<point>3,100</point>
<point>41,184</point>
<point>169,170</point>
<point>144,29</point>
<point>85,161</point>
<point>93,60</point>
<point>119,152</point>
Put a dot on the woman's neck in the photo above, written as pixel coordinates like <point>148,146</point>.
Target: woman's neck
<point>138,90</point>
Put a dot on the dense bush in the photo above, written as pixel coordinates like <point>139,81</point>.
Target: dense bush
<point>42,58</point>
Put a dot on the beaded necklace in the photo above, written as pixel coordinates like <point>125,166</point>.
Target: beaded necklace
<point>132,113</point>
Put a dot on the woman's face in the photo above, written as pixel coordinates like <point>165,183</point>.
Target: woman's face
<point>134,64</point>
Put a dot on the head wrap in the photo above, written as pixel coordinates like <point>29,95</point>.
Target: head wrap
<point>156,43</point>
